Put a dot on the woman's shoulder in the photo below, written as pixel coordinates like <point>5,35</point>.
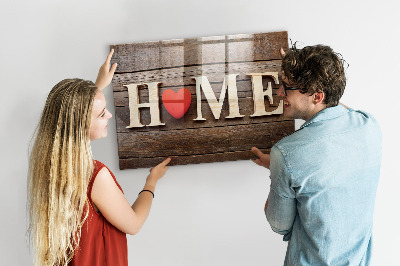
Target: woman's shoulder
<point>102,170</point>
<point>98,165</point>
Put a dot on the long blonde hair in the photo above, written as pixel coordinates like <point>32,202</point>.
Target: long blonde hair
<point>60,168</point>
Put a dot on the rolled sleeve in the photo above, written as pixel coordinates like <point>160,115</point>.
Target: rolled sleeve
<point>281,210</point>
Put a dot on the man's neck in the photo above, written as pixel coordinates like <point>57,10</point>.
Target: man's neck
<point>318,108</point>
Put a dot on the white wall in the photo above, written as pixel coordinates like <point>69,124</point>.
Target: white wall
<point>207,214</point>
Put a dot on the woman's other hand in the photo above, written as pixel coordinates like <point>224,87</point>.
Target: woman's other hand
<point>158,171</point>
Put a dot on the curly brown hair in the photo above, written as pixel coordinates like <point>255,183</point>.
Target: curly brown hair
<point>316,69</point>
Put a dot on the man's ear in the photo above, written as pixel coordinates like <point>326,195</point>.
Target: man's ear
<point>318,97</point>
<point>282,52</point>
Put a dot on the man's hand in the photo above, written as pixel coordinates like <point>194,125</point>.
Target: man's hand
<point>105,73</point>
<point>264,159</point>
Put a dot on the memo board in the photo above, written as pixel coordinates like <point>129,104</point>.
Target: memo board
<point>198,100</point>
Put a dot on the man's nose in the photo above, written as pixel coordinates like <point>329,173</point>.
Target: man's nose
<point>281,92</point>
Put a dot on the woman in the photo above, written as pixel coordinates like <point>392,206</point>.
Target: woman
<point>78,212</point>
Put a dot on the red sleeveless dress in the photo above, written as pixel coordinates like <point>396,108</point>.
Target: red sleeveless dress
<point>101,243</point>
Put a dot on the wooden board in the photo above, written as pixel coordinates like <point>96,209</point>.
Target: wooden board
<point>177,64</point>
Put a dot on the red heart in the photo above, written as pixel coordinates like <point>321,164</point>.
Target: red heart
<point>177,103</point>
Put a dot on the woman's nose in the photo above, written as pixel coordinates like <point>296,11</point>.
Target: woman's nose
<point>109,114</point>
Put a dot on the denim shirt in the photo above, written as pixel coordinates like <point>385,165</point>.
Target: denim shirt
<point>323,184</point>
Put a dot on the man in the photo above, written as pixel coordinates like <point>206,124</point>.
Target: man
<point>324,175</point>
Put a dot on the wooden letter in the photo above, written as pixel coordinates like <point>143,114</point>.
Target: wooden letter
<point>216,105</point>
<point>134,105</point>
<point>259,94</point>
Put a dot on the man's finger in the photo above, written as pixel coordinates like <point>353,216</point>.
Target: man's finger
<point>257,161</point>
<point>257,152</point>
<point>282,52</point>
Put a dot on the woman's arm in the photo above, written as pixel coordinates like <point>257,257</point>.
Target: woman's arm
<point>114,206</point>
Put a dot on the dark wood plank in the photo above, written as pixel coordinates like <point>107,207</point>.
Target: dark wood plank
<point>208,50</point>
<point>174,63</point>
<point>202,141</point>
<point>133,163</point>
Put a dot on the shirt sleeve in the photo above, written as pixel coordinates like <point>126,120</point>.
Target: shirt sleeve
<point>281,210</point>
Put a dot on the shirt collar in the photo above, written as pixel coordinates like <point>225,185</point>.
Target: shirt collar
<point>326,114</point>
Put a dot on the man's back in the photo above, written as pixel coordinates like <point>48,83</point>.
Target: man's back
<point>328,171</point>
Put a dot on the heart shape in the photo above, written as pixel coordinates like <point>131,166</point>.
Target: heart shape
<point>177,103</point>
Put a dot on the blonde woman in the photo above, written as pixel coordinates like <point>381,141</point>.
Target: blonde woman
<point>78,212</point>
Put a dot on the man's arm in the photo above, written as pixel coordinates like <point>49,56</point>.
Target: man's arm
<point>281,207</point>
<point>264,161</point>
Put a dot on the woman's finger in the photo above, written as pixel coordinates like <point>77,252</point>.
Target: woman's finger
<point>108,60</point>
<point>166,161</point>
<point>113,68</point>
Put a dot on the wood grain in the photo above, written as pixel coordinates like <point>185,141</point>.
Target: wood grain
<point>133,163</point>
<point>175,63</point>
<point>202,140</point>
<point>198,51</point>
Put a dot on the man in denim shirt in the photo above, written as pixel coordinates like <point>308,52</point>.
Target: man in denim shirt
<point>323,176</point>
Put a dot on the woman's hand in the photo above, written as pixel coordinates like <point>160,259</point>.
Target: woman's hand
<point>158,171</point>
<point>105,73</point>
